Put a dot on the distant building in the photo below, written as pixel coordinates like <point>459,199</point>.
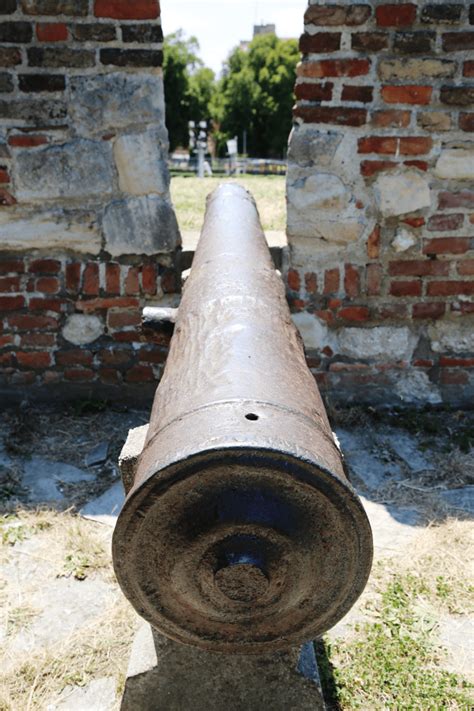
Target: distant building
<point>264,30</point>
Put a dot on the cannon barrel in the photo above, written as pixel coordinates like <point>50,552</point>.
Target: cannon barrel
<point>241,533</point>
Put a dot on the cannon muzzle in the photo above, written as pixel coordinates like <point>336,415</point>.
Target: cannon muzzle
<point>241,533</point>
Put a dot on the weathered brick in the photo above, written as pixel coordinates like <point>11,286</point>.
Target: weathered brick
<point>368,168</point>
<point>354,313</point>
<point>468,68</point>
<point>41,82</point>
<point>434,121</point>
<point>391,118</point>
<point>293,280</point>
<point>458,41</point>
<point>47,285</point>
<point>392,311</point>
<point>11,303</point>
<point>457,95</point>
<point>121,318</point>
<point>450,288</point>
<point>94,32</point>
<point>26,140</point>
<point>153,355</point>
<point>79,374</point>
<point>332,114</point>
<point>445,12</point>
<point>420,164</point>
<point>38,340</point>
<point>116,356</point>
<point>90,279</point>
<point>132,282</point>
<point>119,302</point>
<point>414,221</point>
<point>369,41</point>
<point>12,266</point>
<point>415,145</point>
<point>33,360</point>
<point>28,322</point>
<point>320,42</point>
<point>392,15</point>
<point>144,32</point>
<point>314,92</point>
<point>332,15</point>
<point>109,375</point>
<point>112,278</point>
<point>331,281</point>
<point>351,280</point>
<point>447,362</point>
<point>149,279</point>
<point>405,288</point>
<point>311,283</point>
<point>140,374</point>
<point>374,279</point>
<point>132,57</point>
<point>429,310</point>
<point>74,357</point>
<point>51,32</point>
<point>6,198</point>
<point>55,7</point>
<point>466,122</point>
<point>445,223</point>
<point>373,243</point>
<point>9,57</point>
<point>6,83</point>
<point>56,57</point>
<point>466,268</point>
<point>418,267</point>
<point>10,284</point>
<point>16,32</point>
<point>463,198</point>
<point>334,68</point>
<point>126,10</point>
<point>377,144</point>
<point>414,42</point>
<point>45,266</point>
<point>447,245</point>
<point>41,304</point>
<point>407,94</point>
<point>365,94</point>
<point>4,175</point>
<point>73,277</point>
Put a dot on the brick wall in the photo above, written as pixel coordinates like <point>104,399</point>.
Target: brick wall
<point>87,231</point>
<point>381,200</point>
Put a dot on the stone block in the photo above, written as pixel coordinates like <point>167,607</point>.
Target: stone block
<point>404,240</point>
<point>452,336</point>
<point>401,193</point>
<point>379,343</point>
<point>55,229</point>
<point>79,169</point>
<point>140,225</point>
<point>455,164</point>
<point>314,332</point>
<point>308,146</point>
<point>115,101</point>
<point>414,69</point>
<point>140,163</point>
<point>317,191</point>
<point>82,330</point>
<point>415,388</point>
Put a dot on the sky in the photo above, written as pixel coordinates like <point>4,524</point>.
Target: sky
<point>220,25</point>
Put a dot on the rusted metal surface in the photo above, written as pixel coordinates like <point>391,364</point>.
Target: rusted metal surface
<point>241,532</point>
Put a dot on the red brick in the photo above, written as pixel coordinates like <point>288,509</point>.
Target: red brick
<point>466,122</point>
<point>4,175</point>
<point>368,168</point>
<point>117,357</point>
<point>47,285</point>
<point>38,340</point>
<point>168,282</point>
<point>447,245</point>
<point>405,288</point>
<point>453,377</point>
<point>458,41</point>
<point>374,279</point>
<point>311,283</point>
<point>331,281</point>
<point>74,357</point>
<point>11,303</point>
<point>450,288</point>
<point>10,284</point>
<point>45,266</point>
<point>445,223</point>
<point>108,375</point>
<point>418,267</point>
<point>377,144</point>
<point>28,322</point>
<point>347,367</point>
<point>364,94</point>
<point>466,268</point>
<point>149,277</point>
<point>351,281</point>
<point>392,311</point>
<point>112,278</point>
<point>337,115</point>
<point>446,362</point>
<point>79,375</point>
<point>420,164</point>
<point>140,374</point>
<point>12,266</point>
<point>27,141</point>
<point>320,42</point>
<point>334,303</point>
<point>126,10</point>
<point>334,68</point>
<point>39,304</point>
<point>415,145</point>
<point>468,70</point>
<point>354,313</point>
<point>51,376</point>
<point>429,310</point>
<point>463,198</point>
<point>407,94</point>
<point>73,277</point>
<point>119,302</point>
<point>393,15</point>
<point>51,32</point>
<point>423,363</point>
<point>314,92</point>
<point>90,279</point>
<point>155,355</point>
<point>118,318</point>
<point>132,283</point>
<point>294,281</point>
<point>6,341</point>
<point>414,221</point>
<point>33,360</point>
<point>369,41</point>
<point>393,118</point>
<point>126,336</point>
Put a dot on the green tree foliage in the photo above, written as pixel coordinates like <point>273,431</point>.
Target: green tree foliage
<point>255,95</point>
<point>189,86</point>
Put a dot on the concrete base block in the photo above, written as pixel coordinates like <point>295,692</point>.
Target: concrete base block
<point>166,676</point>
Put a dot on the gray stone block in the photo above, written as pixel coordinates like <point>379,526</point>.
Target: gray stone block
<point>81,329</point>
<point>140,164</point>
<point>79,169</point>
<point>141,225</point>
<point>308,146</point>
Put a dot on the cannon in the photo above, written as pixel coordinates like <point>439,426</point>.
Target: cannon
<point>241,533</point>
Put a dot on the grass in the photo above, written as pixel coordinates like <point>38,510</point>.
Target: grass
<point>189,198</point>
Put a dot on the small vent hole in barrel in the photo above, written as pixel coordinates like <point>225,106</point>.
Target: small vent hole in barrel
<point>252,417</point>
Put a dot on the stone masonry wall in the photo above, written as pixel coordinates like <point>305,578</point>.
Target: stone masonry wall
<point>87,231</point>
<point>381,200</point>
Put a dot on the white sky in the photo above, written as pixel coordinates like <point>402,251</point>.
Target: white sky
<point>219,25</point>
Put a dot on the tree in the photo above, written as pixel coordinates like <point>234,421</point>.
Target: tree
<point>256,94</point>
<point>189,86</point>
